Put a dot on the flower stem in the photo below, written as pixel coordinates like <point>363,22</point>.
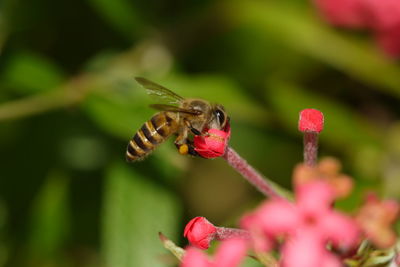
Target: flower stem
<point>265,186</point>
<point>310,148</point>
<point>224,233</point>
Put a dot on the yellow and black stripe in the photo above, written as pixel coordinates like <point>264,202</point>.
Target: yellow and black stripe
<point>152,133</point>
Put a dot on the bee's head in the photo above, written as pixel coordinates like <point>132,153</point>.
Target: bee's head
<point>219,118</point>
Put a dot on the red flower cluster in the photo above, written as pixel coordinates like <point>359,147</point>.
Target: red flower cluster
<point>382,17</point>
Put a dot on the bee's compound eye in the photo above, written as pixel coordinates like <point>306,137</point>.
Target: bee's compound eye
<point>221,116</point>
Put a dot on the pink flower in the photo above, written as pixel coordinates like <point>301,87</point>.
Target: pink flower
<point>310,221</point>
<point>297,252</point>
<point>376,217</point>
<point>397,259</point>
<point>328,169</point>
<point>200,232</point>
<point>342,12</point>
<point>311,120</point>
<point>382,14</point>
<point>213,144</point>
<point>382,17</point>
<point>229,254</point>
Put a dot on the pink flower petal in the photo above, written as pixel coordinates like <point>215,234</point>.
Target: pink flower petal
<point>315,197</point>
<point>341,230</point>
<point>382,14</point>
<point>278,217</point>
<point>330,261</point>
<point>230,253</point>
<point>261,241</point>
<point>195,258</point>
<point>305,249</point>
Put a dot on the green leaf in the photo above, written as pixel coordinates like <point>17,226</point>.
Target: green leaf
<point>250,262</point>
<point>32,73</point>
<point>50,218</point>
<point>135,210</point>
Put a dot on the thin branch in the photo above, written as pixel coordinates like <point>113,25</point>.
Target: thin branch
<point>67,95</point>
<point>71,93</point>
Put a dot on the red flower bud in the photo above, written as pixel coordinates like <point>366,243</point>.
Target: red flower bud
<point>311,120</point>
<point>213,144</point>
<point>200,232</point>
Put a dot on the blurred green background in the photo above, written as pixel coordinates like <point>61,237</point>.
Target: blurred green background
<point>69,105</point>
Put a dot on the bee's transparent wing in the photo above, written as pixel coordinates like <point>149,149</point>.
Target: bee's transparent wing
<point>159,92</point>
<point>175,109</point>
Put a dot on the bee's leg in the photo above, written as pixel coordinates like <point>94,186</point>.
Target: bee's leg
<point>192,129</point>
<point>181,140</point>
<point>184,145</point>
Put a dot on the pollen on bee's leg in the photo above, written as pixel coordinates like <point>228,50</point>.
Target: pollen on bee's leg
<point>183,149</point>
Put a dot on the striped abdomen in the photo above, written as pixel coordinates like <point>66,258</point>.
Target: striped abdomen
<point>152,133</point>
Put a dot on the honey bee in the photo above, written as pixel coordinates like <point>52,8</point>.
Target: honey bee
<point>179,117</point>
